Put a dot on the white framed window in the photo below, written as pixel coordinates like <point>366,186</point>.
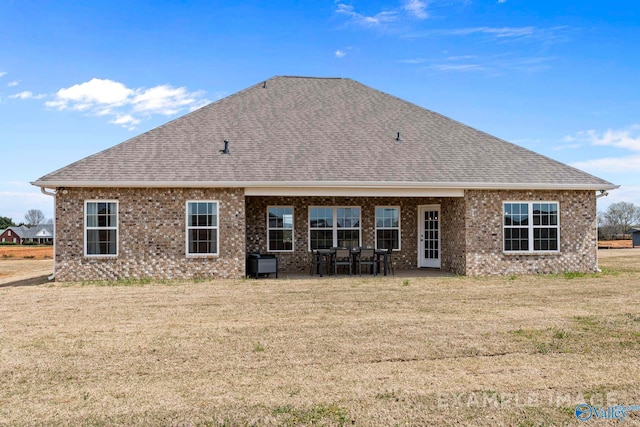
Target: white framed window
<point>531,226</point>
<point>388,227</point>
<point>101,228</point>
<point>280,228</point>
<point>337,226</point>
<point>202,228</point>
<point>9,233</point>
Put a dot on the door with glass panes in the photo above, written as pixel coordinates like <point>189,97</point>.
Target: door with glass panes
<point>429,236</point>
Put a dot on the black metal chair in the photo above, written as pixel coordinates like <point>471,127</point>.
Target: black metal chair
<point>342,257</point>
<point>367,257</point>
<point>314,262</point>
<point>386,258</point>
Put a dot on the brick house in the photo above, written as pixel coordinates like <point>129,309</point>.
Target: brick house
<point>42,234</point>
<point>296,163</point>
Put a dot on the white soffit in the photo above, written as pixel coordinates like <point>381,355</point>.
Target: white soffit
<point>353,192</point>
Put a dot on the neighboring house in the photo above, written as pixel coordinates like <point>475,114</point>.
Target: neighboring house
<point>635,236</point>
<point>314,163</point>
<point>12,235</point>
<point>21,234</point>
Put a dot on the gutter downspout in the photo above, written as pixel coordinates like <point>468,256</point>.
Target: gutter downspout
<point>603,193</point>
<point>52,194</point>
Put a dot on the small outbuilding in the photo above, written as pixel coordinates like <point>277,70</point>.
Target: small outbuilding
<point>635,236</point>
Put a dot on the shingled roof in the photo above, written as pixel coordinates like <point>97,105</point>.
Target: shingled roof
<point>333,132</point>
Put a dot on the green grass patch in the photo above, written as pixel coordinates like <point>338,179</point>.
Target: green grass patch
<point>331,414</point>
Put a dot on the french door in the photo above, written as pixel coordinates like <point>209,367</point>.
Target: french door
<point>429,236</point>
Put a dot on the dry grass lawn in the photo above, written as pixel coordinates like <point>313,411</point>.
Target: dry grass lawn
<point>521,351</point>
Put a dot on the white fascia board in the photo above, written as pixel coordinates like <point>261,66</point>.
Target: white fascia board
<point>325,185</point>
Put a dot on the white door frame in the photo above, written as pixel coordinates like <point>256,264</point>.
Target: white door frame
<point>423,259</point>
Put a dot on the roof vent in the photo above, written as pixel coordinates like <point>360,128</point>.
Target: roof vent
<point>264,85</point>
<point>398,137</point>
<point>226,148</point>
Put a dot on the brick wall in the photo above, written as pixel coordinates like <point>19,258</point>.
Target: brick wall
<point>152,233</point>
<point>578,240</point>
<point>452,227</point>
<point>151,241</point>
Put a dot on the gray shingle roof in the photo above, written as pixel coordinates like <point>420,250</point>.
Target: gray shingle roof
<point>298,130</point>
<point>42,231</point>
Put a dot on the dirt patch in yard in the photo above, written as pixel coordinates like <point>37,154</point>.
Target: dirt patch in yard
<point>615,244</point>
<point>26,252</point>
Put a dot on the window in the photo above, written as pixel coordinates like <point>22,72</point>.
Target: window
<point>387,227</point>
<point>202,228</point>
<point>280,228</point>
<point>334,227</point>
<point>531,227</point>
<point>9,233</point>
<point>101,228</point>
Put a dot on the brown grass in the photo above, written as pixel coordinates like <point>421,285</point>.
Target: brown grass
<point>519,351</point>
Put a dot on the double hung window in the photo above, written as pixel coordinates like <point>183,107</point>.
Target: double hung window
<point>101,228</point>
<point>280,228</point>
<point>531,226</point>
<point>334,227</point>
<point>202,228</point>
<point>387,227</point>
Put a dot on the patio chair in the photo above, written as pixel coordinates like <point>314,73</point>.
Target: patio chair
<point>342,257</point>
<point>390,263</point>
<point>314,262</point>
<point>381,259</point>
<point>367,257</point>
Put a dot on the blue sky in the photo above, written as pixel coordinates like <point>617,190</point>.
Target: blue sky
<point>558,77</point>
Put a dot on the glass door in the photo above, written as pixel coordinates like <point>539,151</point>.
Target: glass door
<point>429,236</point>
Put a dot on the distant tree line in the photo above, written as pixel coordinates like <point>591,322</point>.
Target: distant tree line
<point>616,221</point>
<point>32,218</point>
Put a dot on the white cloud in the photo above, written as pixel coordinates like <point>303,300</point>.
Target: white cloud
<point>417,8</point>
<point>610,164</point>
<point>16,202</point>
<point>27,95</point>
<point>127,106</point>
<point>127,121</point>
<point>164,99</point>
<point>501,32</point>
<point>379,18</point>
<point>13,83</point>
<point>626,193</point>
<point>566,147</point>
<point>94,92</point>
<point>413,61</point>
<point>340,53</point>
<point>628,138</point>
<point>3,73</point>
<point>492,65</point>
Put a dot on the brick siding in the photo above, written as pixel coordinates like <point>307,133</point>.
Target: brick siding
<point>151,240</point>
<point>578,239</point>
<point>152,233</point>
